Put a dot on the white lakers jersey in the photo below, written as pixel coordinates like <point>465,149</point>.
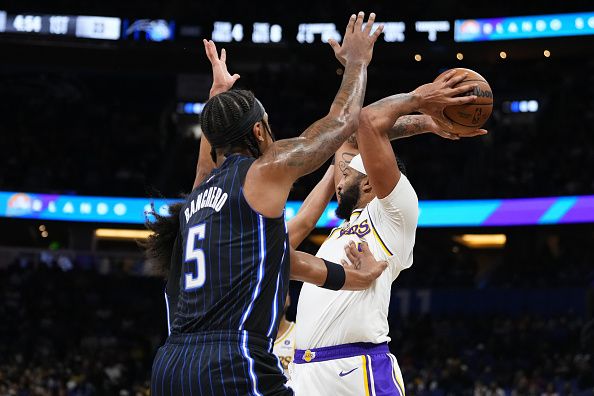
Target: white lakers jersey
<point>388,225</point>
<point>284,348</point>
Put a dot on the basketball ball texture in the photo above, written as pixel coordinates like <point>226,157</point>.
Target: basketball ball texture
<point>469,117</point>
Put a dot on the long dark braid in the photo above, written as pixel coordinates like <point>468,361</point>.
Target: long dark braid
<point>159,246</point>
<point>224,110</point>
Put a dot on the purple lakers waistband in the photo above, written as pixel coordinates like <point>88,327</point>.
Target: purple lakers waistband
<point>339,352</point>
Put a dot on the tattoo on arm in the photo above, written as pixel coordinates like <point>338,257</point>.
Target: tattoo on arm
<point>307,152</point>
<point>352,140</point>
<point>406,126</point>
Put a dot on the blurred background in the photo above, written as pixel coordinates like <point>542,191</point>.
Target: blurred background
<point>100,110</point>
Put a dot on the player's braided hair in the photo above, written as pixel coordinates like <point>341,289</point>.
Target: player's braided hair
<point>158,247</point>
<point>224,110</point>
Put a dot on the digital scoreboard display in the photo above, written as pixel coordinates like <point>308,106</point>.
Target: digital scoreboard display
<point>92,27</point>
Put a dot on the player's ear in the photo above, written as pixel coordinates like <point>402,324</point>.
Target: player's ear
<point>259,131</point>
<point>366,185</point>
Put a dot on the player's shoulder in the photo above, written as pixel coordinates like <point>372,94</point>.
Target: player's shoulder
<point>402,188</point>
<point>400,207</point>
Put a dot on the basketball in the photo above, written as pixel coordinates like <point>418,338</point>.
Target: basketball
<point>469,117</point>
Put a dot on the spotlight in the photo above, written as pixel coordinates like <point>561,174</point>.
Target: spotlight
<point>547,53</point>
<point>44,234</point>
<point>502,55</point>
<point>460,56</point>
<point>418,57</point>
<point>41,228</point>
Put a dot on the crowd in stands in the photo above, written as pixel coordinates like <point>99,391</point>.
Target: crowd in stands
<point>76,331</point>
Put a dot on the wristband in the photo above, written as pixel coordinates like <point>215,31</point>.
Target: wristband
<point>336,276</point>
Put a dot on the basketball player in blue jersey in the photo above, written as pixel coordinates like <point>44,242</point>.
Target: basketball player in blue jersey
<point>233,238</point>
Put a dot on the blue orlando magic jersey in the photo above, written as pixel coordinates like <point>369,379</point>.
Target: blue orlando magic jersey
<point>234,261</point>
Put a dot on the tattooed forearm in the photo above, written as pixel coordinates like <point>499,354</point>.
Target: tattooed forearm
<point>407,126</point>
<point>308,152</point>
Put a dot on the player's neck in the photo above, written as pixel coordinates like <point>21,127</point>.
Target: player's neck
<point>283,326</point>
<point>363,201</point>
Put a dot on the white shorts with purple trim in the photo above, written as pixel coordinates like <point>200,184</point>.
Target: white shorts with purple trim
<point>350,369</point>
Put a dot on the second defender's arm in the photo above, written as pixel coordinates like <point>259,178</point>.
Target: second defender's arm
<point>222,81</point>
<point>312,208</point>
<point>287,160</point>
<point>359,276</point>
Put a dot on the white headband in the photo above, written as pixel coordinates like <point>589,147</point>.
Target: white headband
<point>357,164</point>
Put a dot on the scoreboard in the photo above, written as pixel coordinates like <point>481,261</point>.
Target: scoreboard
<point>92,27</point>
<point>267,32</point>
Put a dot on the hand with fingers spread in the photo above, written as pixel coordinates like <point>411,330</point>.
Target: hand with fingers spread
<point>436,96</point>
<point>362,260</point>
<point>222,80</point>
<point>358,41</point>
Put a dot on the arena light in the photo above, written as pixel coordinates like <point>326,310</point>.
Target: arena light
<point>521,106</point>
<point>503,55</point>
<point>120,233</point>
<point>547,53</point>
<point>459,56</point>
<point>418,57</point>
<point>190,107</point>
<point>318,239</point>
<point>482,241</point>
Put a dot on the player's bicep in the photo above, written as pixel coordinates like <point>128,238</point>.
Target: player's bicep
<point>378,158</point>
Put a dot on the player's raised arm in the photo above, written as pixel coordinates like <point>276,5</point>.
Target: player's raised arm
<point>380,117</point>
<point>222,81</point>
<point>360,274</point>
<point>287,160</point>
<point>312,208</point>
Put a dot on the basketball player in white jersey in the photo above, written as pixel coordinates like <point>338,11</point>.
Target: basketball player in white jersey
<point>341,337</point>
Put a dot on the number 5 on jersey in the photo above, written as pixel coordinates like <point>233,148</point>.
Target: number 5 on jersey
<point>192,254</point>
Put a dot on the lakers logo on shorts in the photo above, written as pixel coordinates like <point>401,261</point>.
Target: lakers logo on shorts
<point>308,356</point>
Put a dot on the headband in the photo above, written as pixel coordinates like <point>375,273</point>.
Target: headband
<point>357,164</point>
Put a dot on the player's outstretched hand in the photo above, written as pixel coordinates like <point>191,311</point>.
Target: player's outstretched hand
<point>358,41</point>
<point>436,96</point>
<point>222,80</point>
<point>431,126</point>
<point>361,259</point>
